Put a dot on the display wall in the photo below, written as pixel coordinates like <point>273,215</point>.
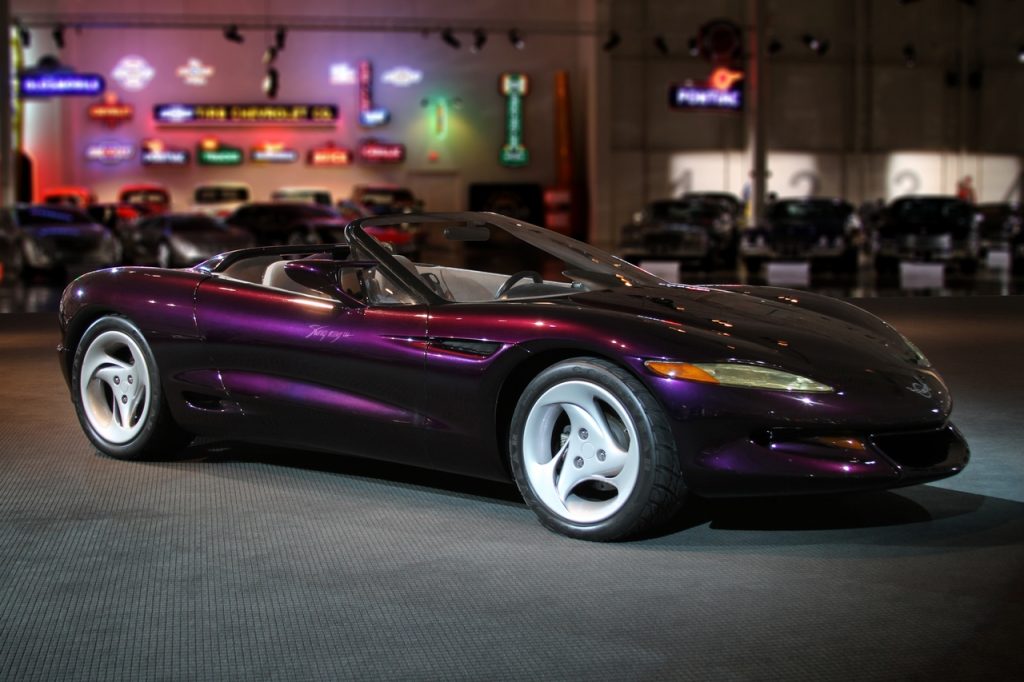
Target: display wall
<point>442,156</point>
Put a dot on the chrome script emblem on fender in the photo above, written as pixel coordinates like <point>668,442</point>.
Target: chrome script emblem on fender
<point>920,388</point>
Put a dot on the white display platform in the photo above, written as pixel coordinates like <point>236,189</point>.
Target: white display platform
<point>788,273</point>
<point>922,275</point>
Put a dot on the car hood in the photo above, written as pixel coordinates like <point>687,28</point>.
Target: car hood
<point>822,338</point>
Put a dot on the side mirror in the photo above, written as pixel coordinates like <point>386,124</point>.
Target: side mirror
<point>327,276</point>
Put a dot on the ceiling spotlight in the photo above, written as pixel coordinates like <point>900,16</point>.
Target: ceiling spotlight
<point>1020,54</point>
<point>24,35</point>
<point>58,36</point>
<point>280,38</point>
<point>612,41</point>
<point>816,45</point>
<point>270,83</point>
<point>449,38</point>
<point>774,46</point>
<point>660,45</point>
<point>909,55</point>
<point>232,33</point>
<point>693,47</point>
<point>479,40</point>
<point>516,38</point>
<point>270,55</point>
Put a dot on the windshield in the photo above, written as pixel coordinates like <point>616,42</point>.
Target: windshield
<point>376,195</point>
<point>216,195</point>
<point>499,258</point>
<point>931,209</point>
<point>51,215</point>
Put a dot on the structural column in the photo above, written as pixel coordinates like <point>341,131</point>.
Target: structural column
<point>7,179</point>
<point>756,109</point>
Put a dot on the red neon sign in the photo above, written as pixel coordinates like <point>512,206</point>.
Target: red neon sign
<point>328,156</point>
<point>723,78</point>
<point>381,152</point>
<point>111,111</point>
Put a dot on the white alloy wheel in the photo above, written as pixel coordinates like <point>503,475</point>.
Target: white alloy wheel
<point>580,451</point>
<point>115,387</point>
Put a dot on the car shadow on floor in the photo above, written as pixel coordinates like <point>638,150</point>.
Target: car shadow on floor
<point>780,517</point>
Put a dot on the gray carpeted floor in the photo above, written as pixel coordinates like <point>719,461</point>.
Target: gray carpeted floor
<point>240,562</point>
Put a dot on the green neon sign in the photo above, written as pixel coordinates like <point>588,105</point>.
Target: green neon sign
<point>514,86</point>
<point>221,156</point>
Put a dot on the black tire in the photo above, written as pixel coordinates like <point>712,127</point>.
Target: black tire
<point>658,490</point>
<point>149,432</point>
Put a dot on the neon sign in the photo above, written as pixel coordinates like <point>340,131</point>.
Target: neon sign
<point>111,111</point>
<point>723,90</point>
<point>402,76</point>
<point>156,153</point>
<point>194,72</point>
<point>514,86</point>
<point>374,151</point>
<point>245,114</point>
<point>275,152</point>
<point>133,73</point>
<point>342,74</point>
<point>60,84</point>
<point>369,117</point>
<point>329,156</point>
<point>109,152</point>
<point>212,153</point>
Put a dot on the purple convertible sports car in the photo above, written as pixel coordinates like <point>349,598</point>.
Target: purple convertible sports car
<point>604,392</point>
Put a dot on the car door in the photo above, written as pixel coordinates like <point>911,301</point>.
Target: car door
<point>313,372</point>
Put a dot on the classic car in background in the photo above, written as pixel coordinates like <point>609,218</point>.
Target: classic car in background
<point>182,239</point>
<point>826,232</point>
<point>310,195</point>
<point>605,393</point>
<point>383,199</point>
<point>149,197</point>
<point>693,231</point>
<point>49,238</point>
<point>927,228</point>
<point>220,199</point>
<point>79,197</point>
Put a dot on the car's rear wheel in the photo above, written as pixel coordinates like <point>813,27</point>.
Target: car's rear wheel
<point>592,452</point>
<point>118,396</point>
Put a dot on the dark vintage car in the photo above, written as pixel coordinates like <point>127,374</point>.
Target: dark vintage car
<point>826,232</point>
<point>998,224</point>
<point>181,239</point>
<point>49,238</point>
<point>384,199</point>
<point>283,222</point>
<point>605,393</point>
<point>692,231</point>
<point>927,228</point>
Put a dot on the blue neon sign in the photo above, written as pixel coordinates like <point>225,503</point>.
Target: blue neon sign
<point>60,84</point>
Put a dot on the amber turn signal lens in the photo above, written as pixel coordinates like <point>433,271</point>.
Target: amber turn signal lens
<point>680,370</point>
<point>840,442</point>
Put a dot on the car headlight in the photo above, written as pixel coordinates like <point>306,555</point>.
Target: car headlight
<point>737,375</point>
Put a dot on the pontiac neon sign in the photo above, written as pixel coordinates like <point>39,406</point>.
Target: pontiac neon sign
<point>723,91</point>
<point>269,152</point>
<point>245,114</point>
<point>156,153</point>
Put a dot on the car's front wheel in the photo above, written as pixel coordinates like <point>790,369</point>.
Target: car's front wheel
<point>118,396</point>
<point>593,453</point>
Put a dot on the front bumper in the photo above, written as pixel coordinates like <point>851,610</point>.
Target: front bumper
<point>940,247</point>
<point>795,461</point>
